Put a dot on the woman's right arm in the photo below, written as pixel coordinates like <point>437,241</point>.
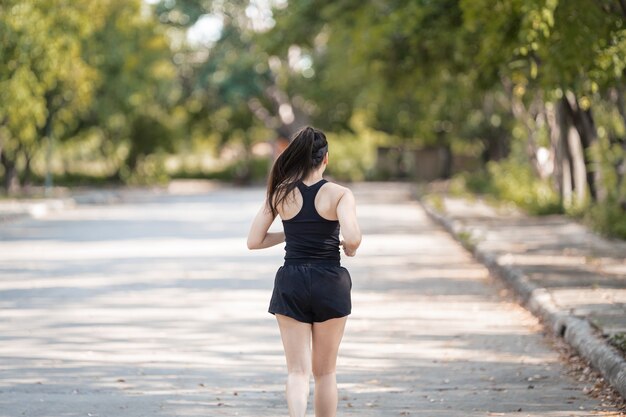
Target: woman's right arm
<point>346,213</point>
<point>259,237</point>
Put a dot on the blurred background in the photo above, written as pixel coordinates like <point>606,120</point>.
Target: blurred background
<point>522,101</point>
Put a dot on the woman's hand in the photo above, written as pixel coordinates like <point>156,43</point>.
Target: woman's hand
<point>346,250</point>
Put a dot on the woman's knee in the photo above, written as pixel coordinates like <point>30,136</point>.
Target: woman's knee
<point>323,372</point>
<point>299,371</point>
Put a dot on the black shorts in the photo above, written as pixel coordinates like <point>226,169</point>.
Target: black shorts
<point>311,292</point>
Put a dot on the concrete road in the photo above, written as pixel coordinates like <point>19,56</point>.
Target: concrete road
<point>154,307</point>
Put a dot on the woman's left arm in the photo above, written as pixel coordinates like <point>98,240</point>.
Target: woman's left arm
<point>259,238</point>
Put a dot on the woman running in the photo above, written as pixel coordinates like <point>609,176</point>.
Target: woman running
<point>311,297</point>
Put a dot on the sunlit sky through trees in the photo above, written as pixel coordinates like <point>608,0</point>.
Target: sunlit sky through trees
<point>208,28</point>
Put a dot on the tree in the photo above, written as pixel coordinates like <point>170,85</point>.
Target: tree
<point>45,82</point>
<point>74,66</point>
<point>137,84</point>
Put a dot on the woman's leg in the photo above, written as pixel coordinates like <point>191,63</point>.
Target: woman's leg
<point>326,338</point>
<point>296,338</point>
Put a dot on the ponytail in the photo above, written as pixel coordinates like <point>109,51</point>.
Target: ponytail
<point>304,154</point>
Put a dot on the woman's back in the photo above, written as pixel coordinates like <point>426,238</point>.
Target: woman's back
<point>311,236</point>
<point>325,202</point>
<point>332,202</point>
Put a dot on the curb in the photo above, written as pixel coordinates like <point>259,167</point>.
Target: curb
<point>577,332</point>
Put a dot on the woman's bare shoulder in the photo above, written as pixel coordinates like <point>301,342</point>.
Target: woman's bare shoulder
<point>337,190</point>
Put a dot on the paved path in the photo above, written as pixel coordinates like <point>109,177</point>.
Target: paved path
<point>154,307</point>
<point>573,278</point>
<point>584,273</point>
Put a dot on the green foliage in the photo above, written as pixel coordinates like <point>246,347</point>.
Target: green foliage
<point>609,152</point>
<point>148,135</point>
<point>73,67</point>
<point>512,181</point>
<point>619,341</point>
<point>254,169</point>
<point>44,78</point>
<point>516,182</point>
<point>467,240</point>
<point>475,182</point>
<point>351,155</point>
<point>436,202</point>
<point>72,179</point>
<point>150,169</point>
<point>136,86</point>
<point>608,218</point>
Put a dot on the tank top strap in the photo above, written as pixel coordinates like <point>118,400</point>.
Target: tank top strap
<point>311,189</point>
<point>308,197</point>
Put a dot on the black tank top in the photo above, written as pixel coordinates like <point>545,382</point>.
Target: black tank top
<point>310,238</point>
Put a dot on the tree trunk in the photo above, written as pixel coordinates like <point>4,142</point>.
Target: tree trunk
<point>47,132</point>
<point>582,120</point>
<point>27,173</point>
<point>495,147</point>
<point>11,181</point>
<point>577,164</point>
<point>446,166</point>
<point>495,140</point>
<point>622,3</point>
<point>562,160</point>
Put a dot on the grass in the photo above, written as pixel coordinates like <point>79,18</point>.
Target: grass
<point>436,202</point>
<point>467,239</point>
<point>511,182</point>
<point>619,341</point>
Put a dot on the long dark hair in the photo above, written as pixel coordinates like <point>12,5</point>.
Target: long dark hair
<point>304,154</point>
